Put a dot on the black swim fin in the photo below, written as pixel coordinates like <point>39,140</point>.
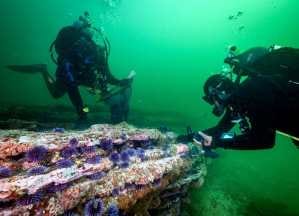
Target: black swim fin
<point>30,69</point>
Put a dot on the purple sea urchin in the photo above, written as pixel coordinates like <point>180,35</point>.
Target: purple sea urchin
<point>94,207</point>
<point>52,188</point>
<point>87,149</point>
<point>64,163</point>
<point>141,154</point>
<point>37,170</point>
<point>113,210</point>
<point>73,142</point>
<point>97,176</point>
<point>131,152</point>
<point>115,192</point>
<point>124,165</point>
<point>94,160</point>
<point>106,144</point>
<point>114,157</point>
<point>68,152</point>
<point>5,172</point>
<point>36,154</point>
<point>124,156</point>
<point>30,199</point>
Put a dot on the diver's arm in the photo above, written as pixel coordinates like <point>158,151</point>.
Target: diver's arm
<point>223,126</point>
<point>114,81</point>
<point>259,137</point>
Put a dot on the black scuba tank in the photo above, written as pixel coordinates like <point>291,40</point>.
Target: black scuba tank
<point>64,41</point>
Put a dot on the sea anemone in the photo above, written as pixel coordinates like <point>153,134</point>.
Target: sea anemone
<point>73,142</point>
<point>68,152</point>
<point>30,199</point>
<point>97,176</point>
<point>58,130</point>
<point>87,149</point>
<point>113,210</point>
<point>106,144</point>
<point>124,165</point>
<point>94,207</point>
<point>124,156</point>
<point>37,170</point>
<point>64,163</point>
<point>36,154</point>
<point>5,172</point>
<point>115,192</point>
<point>114,157</point>
<point>94,160</point>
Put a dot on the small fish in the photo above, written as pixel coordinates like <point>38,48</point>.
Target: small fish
<point>240,13</point>
<point>231,17</point>
<point>241,28</point>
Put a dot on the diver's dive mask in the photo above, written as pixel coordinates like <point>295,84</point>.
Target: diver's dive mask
<point>218,98</point>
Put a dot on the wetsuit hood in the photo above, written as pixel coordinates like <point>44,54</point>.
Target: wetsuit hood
<point>218,89</point>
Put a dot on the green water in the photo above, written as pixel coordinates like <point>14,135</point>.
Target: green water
<point>173,46</point>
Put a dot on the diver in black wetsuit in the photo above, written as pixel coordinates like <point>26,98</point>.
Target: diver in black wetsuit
<point>265,102</point>
<point>81,61</point>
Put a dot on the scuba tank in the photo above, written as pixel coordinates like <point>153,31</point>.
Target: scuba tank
<point>281,63</point>
<point>69,35</point>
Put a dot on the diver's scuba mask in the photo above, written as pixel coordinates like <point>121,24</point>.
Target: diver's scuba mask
<point>218,98</point>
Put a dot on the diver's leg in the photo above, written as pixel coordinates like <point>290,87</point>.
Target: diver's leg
<point>115,114</point>
<point>76,99</point>
<point>119,106</point>
<point>56,88</point>
<point>126,102</point>
<point>115,108</point>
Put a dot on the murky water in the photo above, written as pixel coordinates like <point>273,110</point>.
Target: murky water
<point>173,46</point>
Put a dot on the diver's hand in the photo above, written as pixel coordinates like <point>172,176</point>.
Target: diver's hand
<point>131,75</point>
<point>206,141</point>
<point>128,81</point>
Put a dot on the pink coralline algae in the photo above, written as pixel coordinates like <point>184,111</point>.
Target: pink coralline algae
<point>105,170</point>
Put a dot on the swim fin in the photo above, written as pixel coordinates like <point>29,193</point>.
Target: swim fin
<point>30,69</point>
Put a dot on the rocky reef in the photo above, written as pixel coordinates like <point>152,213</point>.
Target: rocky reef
<point>104,170</point>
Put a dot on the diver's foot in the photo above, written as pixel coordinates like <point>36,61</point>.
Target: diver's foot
<point>29,69</point>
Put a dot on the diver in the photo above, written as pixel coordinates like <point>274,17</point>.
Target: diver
<point>81,61</point>
<point>262,99</point>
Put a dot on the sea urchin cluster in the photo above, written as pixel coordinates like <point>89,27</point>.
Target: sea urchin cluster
<point>5,172</point>
<point>37,170</point>
<point>113,210</point>
<point>37,154</point>
<point>94,207</point>
<point>64,163</point>
<point>106,144</point>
